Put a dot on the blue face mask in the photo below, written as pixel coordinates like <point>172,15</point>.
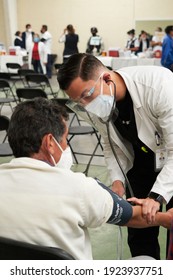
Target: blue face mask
<point>36,39</point>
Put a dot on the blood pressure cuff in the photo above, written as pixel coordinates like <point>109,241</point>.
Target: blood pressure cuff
<point>122,210</point>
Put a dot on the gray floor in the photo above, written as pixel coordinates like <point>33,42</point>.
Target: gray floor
<point>108,242</point>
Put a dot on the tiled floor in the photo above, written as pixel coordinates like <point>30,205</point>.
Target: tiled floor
<point>108,241</point>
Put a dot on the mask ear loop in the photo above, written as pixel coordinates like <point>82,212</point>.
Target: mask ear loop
<point>61,149</point>
<point>54,162</point>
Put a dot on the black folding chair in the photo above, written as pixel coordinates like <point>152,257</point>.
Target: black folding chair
<point>5,149</point>
<point>22,73</point>
<point>29,93</point>
<point>42,81</point>
<point>13,71</point>
<point>17,250</point>
<point>8,95</point>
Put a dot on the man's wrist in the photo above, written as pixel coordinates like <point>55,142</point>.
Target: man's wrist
<point>157,197</point>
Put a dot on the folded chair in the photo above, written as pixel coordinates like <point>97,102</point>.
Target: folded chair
<point>5,149</point>
<point>29,93</point>
<point>42,81</point>
<point>17,250</point>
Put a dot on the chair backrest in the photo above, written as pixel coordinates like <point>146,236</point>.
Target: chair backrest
<point>37,78</point>
<point>30,93</point>
<point>4,123</point>
<point>4,84</point>
<point>41,80</point>
<point>12,65</point>
<point>17,250</point>
<point>4,76</point>
<point>24,72</point>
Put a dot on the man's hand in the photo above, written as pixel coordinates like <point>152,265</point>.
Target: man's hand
<point>149,208</point>
<point>118,188</point>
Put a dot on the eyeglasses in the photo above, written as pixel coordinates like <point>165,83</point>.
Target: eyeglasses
<point>83,98</point>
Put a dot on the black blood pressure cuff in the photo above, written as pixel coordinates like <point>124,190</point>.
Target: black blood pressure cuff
<point>122,210</point>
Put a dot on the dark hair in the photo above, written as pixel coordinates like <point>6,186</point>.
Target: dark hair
<point>70,29</point>
<point>33,119</point>
<point>159,29</point>
<point>94,30</point>
<point>17,33</point>
<point>28,25</point>
<point>132,31</point>
<point>80,65</point>
<point>45,27</point>
<point>168,29</point>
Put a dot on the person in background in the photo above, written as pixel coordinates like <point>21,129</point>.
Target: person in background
<point>70,40</point>
<point>27,37</point>
<point>137,103</point>
<point>95,42</point>
<point>167,48</point>
<point>144,42</point>
<point>157,40</point>
<point>132,42</point>
<point>18,42</point>
<point>38,55</point>
<point>46,38</point>
<point>42,200</point>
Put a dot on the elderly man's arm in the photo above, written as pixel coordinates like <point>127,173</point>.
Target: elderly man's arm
<point>161,219</point>
<point>124,214</point>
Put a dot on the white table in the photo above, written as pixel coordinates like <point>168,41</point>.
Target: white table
<point>9,58</point>
<point>120,62</point>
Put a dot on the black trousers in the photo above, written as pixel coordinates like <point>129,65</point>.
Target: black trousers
<point>142,241</point>
<point>37,66</point>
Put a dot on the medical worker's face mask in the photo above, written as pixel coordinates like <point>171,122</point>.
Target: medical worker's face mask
<point>66,160</point>
<point>102,105</point>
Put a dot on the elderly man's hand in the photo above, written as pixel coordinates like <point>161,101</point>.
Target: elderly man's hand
<point>149,207</point>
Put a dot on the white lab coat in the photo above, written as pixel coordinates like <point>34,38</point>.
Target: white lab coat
<point>42,50</point>
<point>151,89</point>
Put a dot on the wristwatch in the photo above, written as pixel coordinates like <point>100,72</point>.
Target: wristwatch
<point>157,197</point>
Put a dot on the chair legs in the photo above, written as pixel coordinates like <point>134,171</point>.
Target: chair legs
<point>92,155</point>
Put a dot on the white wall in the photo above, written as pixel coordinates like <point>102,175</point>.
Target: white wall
<point>113,19</point>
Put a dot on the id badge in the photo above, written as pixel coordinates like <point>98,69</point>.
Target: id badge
<point>160,159</point>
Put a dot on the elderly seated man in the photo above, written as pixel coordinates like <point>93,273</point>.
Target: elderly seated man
<point>42,201</point>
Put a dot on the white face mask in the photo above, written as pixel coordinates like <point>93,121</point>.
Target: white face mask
<point>66,160</point>
<point>102,105</point>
